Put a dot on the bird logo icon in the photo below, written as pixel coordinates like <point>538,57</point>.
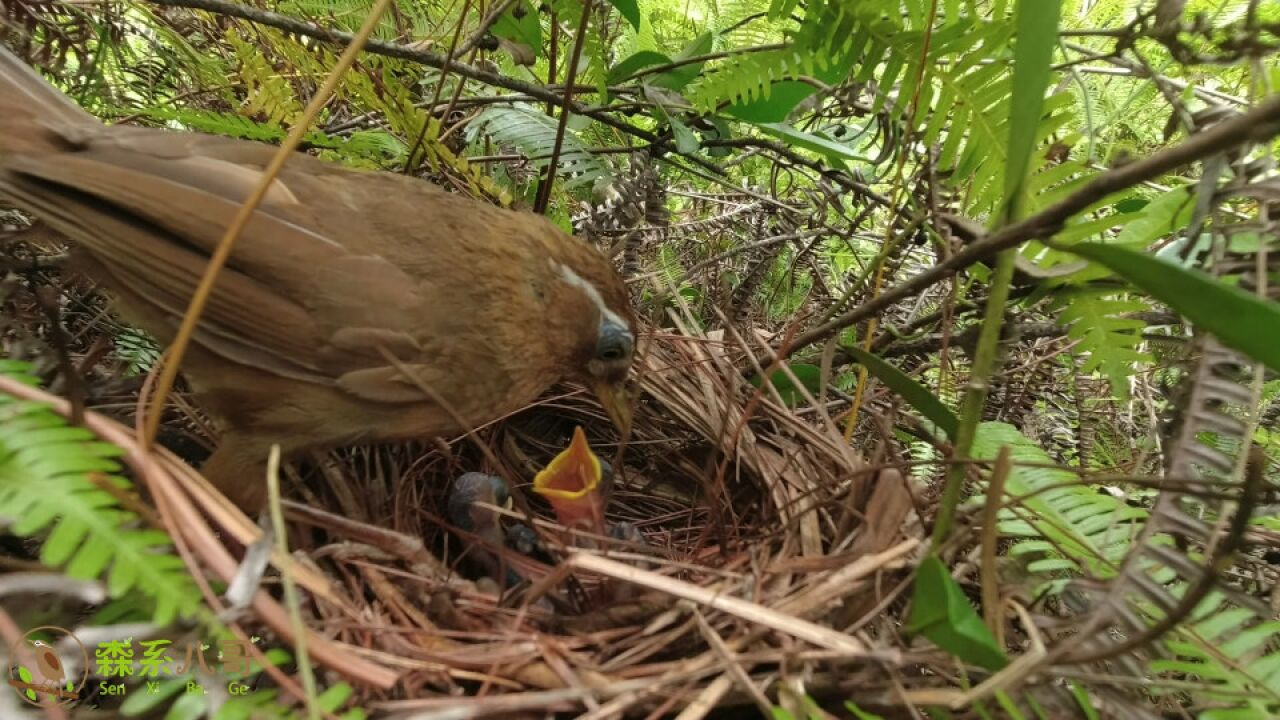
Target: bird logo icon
<point>47,662</point>
<point>37,671</point>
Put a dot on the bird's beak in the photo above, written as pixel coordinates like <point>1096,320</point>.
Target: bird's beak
<point>617,404</point>
<point>571,483</point>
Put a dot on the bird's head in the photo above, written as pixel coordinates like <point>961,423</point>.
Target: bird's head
<point>593,303</point>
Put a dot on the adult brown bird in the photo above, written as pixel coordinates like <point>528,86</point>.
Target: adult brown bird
<point>342,284</point>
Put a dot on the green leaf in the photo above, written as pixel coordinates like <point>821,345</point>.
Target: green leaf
<point>859,713</point>
<point>25,676</point>
<point>189,706</point>
<point>45,485</point>
<point>1131,205</point>
<point>835,152</point>
<point>1166,214</point>
<point>781,8</point>
<point>1239,319</point>
<point>810,376</point>
<point>913,392</point>
<point>534,133</point>
<point>629,9</point>
<point>664,103</point>
<point>1037,36</point>
<point>720,131</point>
<point>333,698</point>
<point>1063,518</point>
<point>686,142</point>
<point>526,29</point>
<point>941,612</point>
<point>140,702</point>
<point>1081,695</point>
<point>677,78</point>
<point>776,105</point>
<point>1111,343</point>
<point>634,64</point>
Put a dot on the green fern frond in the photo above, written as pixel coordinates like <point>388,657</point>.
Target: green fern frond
<point>1225,655</point>
<point>822,42</point>
<point>1111,343</point>
<point>377,146</point>
<point>139,352</point>
<point>534,134</point>
<point>952,92</point>
<point>397,104</point>
<point>217,123</point>
<point>1066,527</point>
<point>52,477</point>
<point>1235,664</point>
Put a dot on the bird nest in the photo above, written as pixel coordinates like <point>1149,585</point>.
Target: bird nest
<point>769,563</point>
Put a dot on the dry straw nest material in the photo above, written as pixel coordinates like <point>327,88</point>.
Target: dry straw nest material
<point>772,565</point>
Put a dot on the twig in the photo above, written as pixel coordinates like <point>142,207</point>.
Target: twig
<point>579,40</point>
<point>214,555</point>
<point>293,604</point>
<point>405,52</point>
<point>1258,125</point>
<point>990,579</point>
<point>749,611</point>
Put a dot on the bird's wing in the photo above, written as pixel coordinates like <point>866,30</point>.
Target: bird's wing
<point>151,209</point>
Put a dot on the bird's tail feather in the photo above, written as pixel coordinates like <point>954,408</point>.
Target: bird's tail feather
<point>28,101</point>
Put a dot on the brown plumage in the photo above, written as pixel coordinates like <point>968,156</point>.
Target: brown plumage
<point>337,269</point>
<point>47,662</point>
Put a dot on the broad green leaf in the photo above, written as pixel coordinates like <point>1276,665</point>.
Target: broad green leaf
<point>686,141</point>
<point>679,77</point>
<point>781,8</point>
<point>634,64</point>
<point>189,706</point>
<point>774,107</point>
<point>629,9</point>
<point>1239,319</point>
<point>1166,214</point>
<point>941,612</point>
<point>810,376</point>
<point>333,698</point>
<point>720,131</point>
<point>905,386</point>
<point>526,29</point>
<point>1131,205</point>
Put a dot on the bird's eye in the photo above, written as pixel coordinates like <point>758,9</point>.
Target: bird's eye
<point>615,342</point>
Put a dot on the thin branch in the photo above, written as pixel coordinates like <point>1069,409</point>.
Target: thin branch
<point>548,180</point>
<point>1257,125</point>
<point>403,52</point>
